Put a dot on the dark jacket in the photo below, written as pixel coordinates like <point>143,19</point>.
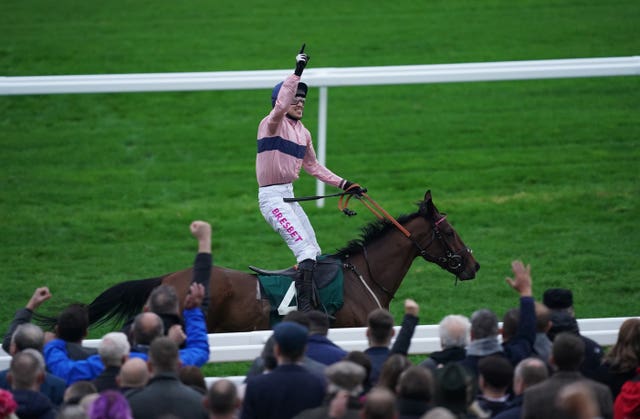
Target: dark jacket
<point>411,409</point>
<point>613,377</point>
<point>539,400</point>
<point>353,410</point>
<point>564,321</point>
<point>53,387</point>
<point>443,357</point>
<point>282,393</point>
<point>107,379</point>
<point>520,346</point>
<point>33,405</point>
<point>378,354</point>
<point>513,409</point>
<point>166,395</point>
<point>321,349</point>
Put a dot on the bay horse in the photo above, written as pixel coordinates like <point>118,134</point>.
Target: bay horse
<point>373,267</point>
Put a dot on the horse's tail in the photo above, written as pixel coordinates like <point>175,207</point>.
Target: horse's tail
<point>118,303</point>
<point>122,301</point>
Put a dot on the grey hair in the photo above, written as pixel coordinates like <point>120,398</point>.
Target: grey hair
<point>28,335</point>
<point>454,331</point>
<point>112,348</point>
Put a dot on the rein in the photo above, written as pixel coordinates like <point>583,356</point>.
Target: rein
<point>452,259</point>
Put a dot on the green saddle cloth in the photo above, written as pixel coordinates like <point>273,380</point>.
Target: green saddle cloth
<point>331,294</point>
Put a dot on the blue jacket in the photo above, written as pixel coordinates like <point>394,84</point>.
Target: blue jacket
<point>321,349</point>
<point>195,352</point>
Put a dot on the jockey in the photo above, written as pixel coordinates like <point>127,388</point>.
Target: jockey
<point>284,147</point>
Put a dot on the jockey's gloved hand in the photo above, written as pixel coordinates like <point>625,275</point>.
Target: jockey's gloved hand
<point>301,61</point>
<point>353,188</point>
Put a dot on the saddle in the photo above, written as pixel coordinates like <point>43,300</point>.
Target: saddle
<point>325,271</point>
<point>279,288</point>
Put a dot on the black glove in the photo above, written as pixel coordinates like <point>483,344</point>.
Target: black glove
<point>353,188</point>
<point>301,61</point>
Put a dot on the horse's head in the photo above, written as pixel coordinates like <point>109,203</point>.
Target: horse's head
<point>445,247</point>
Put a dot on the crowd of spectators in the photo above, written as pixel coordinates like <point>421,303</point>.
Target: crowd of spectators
<point>536,365</point>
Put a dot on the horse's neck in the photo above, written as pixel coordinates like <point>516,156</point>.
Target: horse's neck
<point>387,261</point>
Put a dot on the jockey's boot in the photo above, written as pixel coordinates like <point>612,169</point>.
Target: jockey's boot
<point>304,285</point>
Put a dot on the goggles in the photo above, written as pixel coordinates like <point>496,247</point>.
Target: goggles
<point>298,100</point>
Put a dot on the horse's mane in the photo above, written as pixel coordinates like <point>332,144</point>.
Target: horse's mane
<point>370,233</point>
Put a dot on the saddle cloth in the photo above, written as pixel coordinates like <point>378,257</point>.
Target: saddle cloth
<point>279,287</point>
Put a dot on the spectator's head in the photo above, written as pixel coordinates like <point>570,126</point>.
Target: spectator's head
<point>567,352</point>
<point>558,299</point>
<point>454,388</point>
<point>484,324</point>
<point>439,413</point>
<point>77,391</point>
<point>379,404</point>
<point>562,321</point>
<point>380,327</point>
<point>345,376</point>
<point>73,323</point>
<point>26,336</point>
<point>318,323</point>
<point>297,316</point>
<point>543,318</point>
<point>495,374</point>
<point>363,360</point>
<point>163,300</point>
<point>110,404</point>
<point>577,401</point>
<point>113,349</point>
<point>528,372</point>
<point>133,374</point>
<point>625,354</point>
<point>416,383</point>
<point>391,370</point>
<point>222,398</point>
<point>510,324</point>
<point>192,376</point>
<point>27,370</point>
<point>71,411</point>
<point>163,356</point>
<point>454,331</point>
<point>290,341</point>
<point>146,327</point>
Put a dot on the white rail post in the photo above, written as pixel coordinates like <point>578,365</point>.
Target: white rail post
<point>322,138</point>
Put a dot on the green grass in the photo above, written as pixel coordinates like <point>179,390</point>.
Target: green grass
<point>96,189</point>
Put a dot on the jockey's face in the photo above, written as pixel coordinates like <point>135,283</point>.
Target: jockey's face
<point>296,109</point>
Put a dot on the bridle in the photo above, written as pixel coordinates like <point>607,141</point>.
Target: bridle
<point>452,261</point>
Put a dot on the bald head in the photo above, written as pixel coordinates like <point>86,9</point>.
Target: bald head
<point>146,327</point>
<point>133,374</point>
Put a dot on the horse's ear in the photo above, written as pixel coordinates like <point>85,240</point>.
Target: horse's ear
<point>428,202</point>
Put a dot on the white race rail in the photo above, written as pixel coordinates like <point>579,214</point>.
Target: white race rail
<point>245,346</point>
<point>324,78</point>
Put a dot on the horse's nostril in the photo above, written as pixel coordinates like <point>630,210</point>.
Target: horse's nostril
<point>477,266</point>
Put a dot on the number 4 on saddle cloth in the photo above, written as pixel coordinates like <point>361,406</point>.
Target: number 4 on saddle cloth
<point>279,287</point>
